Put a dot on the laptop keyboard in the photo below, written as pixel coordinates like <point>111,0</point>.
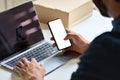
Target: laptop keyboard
<point>38,53</point>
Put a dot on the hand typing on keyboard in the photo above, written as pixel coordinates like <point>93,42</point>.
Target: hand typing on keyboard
<point>30,70</point>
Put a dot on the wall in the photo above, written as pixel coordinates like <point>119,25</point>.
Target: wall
<point>2,5</point>
<point>6,4</point>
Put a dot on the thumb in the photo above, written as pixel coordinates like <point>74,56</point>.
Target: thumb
<point>69,36</point>
<point>67,30</point>
<point>66,38</point>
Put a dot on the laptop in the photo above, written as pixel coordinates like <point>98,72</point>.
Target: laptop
<point>21,36</point>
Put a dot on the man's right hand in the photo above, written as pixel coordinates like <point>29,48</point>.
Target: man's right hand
<point>79,44</point>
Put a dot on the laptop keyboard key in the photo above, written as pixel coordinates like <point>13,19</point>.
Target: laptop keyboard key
<point>38,53</point>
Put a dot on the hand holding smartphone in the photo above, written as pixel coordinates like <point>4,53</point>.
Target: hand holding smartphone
<point>59,33</point>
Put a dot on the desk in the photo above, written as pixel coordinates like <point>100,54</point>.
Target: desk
<point>88,28</point>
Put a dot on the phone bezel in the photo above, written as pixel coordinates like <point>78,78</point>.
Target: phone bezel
<point>54,36</point>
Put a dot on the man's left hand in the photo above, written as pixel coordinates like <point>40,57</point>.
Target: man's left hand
<point>30,70</point>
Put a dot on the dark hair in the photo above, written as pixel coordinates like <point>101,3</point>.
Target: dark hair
<point>118,0</point>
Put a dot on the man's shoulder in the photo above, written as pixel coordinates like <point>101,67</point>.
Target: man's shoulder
<point>101,39</point>
<point>107,37</point>
<point>106,43</point>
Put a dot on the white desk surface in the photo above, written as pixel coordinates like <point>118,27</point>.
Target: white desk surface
<point>88,28</point>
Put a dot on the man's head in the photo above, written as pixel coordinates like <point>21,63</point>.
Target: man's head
<point>108,8</point>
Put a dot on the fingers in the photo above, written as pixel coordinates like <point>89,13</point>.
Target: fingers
<point>24,61</point>
<point>52,38</point>
<point>19,64</point>
<point>41,65</point>
<point>18,70</point>
<point>69,36</point>
<point>54,44</point>
<point>33,60</point>
<point>43,69</point>
<point>22,66</point>
<point>26,69</point>
<point>67,30</point>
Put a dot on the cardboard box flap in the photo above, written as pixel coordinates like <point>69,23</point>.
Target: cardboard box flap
<point>62,5</point>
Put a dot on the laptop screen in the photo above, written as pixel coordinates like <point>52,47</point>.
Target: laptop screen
<point>19,29</point>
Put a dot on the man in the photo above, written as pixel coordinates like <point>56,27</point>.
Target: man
<point>101,59</point>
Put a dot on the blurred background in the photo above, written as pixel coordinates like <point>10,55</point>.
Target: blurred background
<point>6,4</point>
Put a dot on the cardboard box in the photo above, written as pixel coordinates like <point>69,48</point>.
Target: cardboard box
<point>69,11</point>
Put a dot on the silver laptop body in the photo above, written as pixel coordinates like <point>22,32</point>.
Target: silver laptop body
<point>21,36</point>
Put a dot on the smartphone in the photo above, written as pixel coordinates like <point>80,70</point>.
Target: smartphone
<point>59,33</point>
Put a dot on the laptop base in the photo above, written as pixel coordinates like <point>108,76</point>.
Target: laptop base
<point>59,60</point>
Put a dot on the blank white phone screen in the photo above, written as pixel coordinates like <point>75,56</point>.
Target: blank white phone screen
<point>59,33</point>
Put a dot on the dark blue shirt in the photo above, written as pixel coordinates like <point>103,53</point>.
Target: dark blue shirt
<point>101,60</point>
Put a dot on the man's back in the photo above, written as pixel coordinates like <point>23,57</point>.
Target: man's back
<point>101,60</point>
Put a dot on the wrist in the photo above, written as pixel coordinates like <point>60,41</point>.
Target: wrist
<point>33,78</point>
<point>86,44</point>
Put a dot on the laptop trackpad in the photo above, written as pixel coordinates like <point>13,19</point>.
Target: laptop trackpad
<point>58,60</point>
